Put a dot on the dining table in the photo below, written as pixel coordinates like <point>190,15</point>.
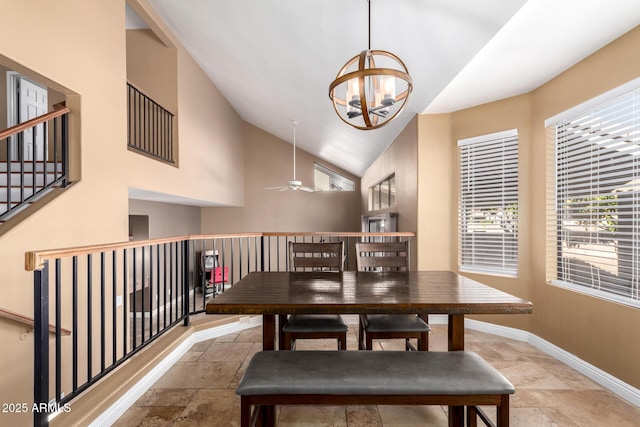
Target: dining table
<point>272,294</point>
<point>278,294</point>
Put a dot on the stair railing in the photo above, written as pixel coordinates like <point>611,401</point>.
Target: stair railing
<point>119,298</point>
<point>150,126</point>
<point>36,158</point>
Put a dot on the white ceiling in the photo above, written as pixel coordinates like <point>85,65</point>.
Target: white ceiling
<point>273,60</point>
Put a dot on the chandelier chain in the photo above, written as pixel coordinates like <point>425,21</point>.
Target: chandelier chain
<point>369,1</point>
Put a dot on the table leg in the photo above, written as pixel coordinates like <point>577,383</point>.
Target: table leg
<point>456,332</point>
<point>282,318</point>
<point>456,343</point>
<point>268,332</point>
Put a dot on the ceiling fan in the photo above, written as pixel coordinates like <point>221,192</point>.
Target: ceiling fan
<point>294,184</point>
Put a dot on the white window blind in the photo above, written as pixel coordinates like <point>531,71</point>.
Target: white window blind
<point>488,203</point>
<point>596,219</point>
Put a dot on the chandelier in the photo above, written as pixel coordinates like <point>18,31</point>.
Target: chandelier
<point>364,91</point>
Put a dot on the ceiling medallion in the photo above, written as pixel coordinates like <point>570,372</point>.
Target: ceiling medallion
<point>364,91</point>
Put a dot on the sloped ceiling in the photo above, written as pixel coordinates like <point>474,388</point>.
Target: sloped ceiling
<point>274,59</point>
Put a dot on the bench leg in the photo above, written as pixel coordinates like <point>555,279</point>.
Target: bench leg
<point>245,412</point>
<point>472,416</point>
<point>266,417</point>
<point>503,412</point>
<point>342,342</point>
<point>456,416</point>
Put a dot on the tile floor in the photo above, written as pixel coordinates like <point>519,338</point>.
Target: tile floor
<point>199,390</point>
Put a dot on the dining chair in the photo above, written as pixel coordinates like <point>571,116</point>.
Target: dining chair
<point>323,256</point>
<point>388,256</point>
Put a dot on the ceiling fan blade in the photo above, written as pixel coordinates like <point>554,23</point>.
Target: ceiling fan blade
<point>277,188</point>
<point>307,189</point>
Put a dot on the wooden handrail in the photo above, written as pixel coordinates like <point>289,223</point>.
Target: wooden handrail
<point>34,260</point>
<point>58,110</point>
<point>28,321</point>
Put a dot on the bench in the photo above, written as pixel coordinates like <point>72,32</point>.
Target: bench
<point>457,378</point>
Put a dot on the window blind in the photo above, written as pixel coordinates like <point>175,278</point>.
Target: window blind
<point>488,203</point>
<point>596,218</point>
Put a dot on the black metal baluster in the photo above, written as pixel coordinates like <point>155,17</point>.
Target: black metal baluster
<point>102,312</point>
<point>224,253</point>
<point>174,281</point>
<point>58,303</point>
<point>89,317</point>
<point>239,258</point>
<point>185,286</point>
<point>158,289</point>
<point>136,113</point>
<point>150,291</point>
<point>41,343</point>
<point>134,305</point>
<point>171,295</point>
<point>45,157</point>
<point>55,152</point>
<point>114,304</point>
<point>170,154</point>
<point>125,299</point>
<point>74,322</point>
<point>65,149</point>
<point>130,110</point>
<point>143,282</point>
<point>164,285</point>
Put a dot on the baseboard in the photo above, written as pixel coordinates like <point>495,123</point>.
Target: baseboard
<point>127,400</point>
<point>620,388</point>
<point>608,381</point>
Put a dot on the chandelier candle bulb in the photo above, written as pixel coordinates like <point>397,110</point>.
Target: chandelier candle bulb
<point>388,90</point>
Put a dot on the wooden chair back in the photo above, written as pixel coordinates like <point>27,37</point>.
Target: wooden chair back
<point>382,256</point>
<point>323,256</point>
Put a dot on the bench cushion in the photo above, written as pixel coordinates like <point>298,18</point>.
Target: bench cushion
<point>371,373</point>
<point>306,323</point>
<point>395,322</point>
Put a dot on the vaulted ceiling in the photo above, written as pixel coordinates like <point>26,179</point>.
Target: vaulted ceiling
<point>273,60</point>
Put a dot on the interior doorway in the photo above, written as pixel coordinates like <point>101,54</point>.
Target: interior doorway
<point>138,227</point>
<point>26,100</point>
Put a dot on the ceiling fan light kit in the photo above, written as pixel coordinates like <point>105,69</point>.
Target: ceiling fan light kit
<point>364,93</point>
<point>294,184</point>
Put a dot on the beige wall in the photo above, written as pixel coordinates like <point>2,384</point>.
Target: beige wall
<point>400,157</point>
<point>167,219</point>
<point>85,60</point>
<point>595,330</point>
<point>210,132</point>
<point>600,332</point>
<point>269,163</point>
<point>86,56</point>
<point>152,67</point>
<point>436,193</point>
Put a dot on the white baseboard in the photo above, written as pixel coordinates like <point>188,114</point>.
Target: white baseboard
<point>620,388</point>
<point>127,400</point>
<point>613,384</point>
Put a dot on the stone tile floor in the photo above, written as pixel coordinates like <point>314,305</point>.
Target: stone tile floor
<point>199,390</point>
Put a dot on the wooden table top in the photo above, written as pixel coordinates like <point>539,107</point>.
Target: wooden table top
<point>350,292</point>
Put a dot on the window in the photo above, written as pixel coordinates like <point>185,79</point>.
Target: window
<point>594,224</point>
<point>328,180</point>
<point>383,194</point>
<point>488,204</point>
